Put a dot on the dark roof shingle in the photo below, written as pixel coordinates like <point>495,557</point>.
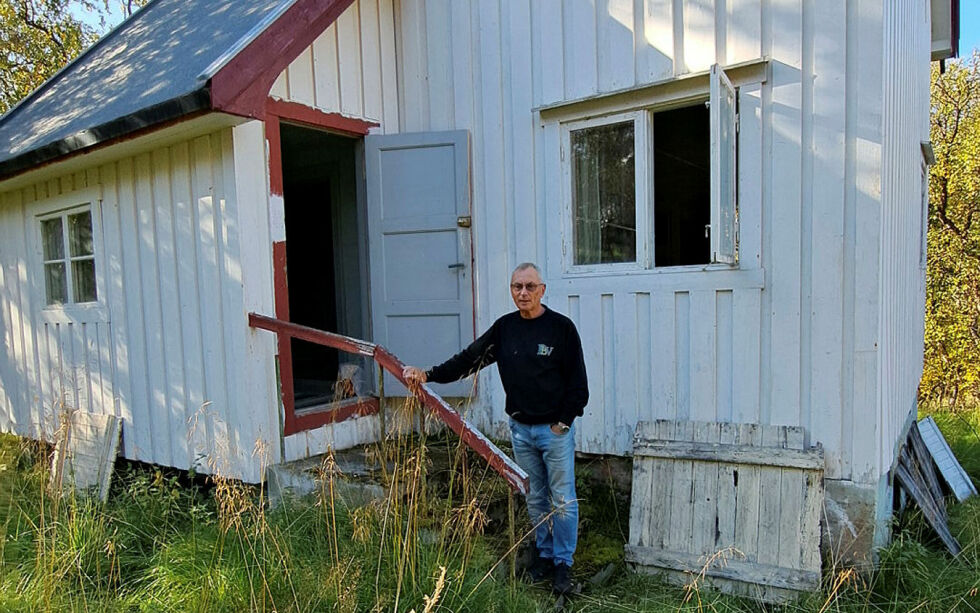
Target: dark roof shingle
<point>152,68</point>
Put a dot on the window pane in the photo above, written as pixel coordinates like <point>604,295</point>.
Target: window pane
<point>55,283</point>
<point>83,278</point>
<point>54,246</point>
<point>681,186</point>
<point>80,234</point>
<point>604,194</point>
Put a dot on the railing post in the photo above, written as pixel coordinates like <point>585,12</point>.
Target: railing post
<point>381,401</point>
<point>512,533</point>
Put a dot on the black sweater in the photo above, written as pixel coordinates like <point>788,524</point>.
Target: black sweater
<point>540,363</point>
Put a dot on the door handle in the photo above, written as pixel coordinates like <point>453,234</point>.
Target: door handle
<point>457,265</point>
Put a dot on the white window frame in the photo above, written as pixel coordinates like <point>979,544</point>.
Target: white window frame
<point>63,206</point>
<point>724,206</point>
<point>641,151</point>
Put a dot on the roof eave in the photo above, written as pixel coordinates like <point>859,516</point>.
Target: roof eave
<point>945,26</point>
<point>134,124</point>
<point>241,85</point>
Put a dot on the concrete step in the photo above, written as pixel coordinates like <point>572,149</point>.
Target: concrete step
<point>355,483</point>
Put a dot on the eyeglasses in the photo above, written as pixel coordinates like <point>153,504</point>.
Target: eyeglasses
<point>530,287</point>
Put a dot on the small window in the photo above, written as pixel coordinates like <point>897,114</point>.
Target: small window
<point>674,166</point>
<point>68,251</point>
<point>604,193</point>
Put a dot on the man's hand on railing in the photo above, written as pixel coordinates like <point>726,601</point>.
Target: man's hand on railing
<point>414,376</point>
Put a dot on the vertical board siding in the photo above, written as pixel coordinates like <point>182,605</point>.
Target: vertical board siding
<point>905,113</point>
<point>351,68</point>
<point>824,218</point>
<point>160,359</point>
<point>641,369</point>
<point>802,350</point>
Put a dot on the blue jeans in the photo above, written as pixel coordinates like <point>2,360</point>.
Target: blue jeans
<point>549,461</point>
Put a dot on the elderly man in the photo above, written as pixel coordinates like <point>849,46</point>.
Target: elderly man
<point>539,357</point>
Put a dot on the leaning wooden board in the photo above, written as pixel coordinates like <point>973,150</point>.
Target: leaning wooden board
<point>738,504</point>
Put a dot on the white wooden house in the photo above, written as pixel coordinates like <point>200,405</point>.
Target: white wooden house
<point>757,259</point>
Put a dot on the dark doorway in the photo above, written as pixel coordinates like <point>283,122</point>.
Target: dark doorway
<point>323,258</point>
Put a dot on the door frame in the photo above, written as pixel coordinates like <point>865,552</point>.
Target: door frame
<point>277,111</point>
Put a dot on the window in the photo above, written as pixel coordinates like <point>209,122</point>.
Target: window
<point>655,187</point>
<point>605,190</point>
<point>68,252</point>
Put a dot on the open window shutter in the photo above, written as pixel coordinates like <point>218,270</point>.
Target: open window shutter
<point>723,138</point>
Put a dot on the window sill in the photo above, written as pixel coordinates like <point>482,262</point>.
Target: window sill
<point>675,278</point>
<point>75,314</point>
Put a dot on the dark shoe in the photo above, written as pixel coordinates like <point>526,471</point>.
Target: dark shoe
<point>540,569</point>
<point>562,581</point>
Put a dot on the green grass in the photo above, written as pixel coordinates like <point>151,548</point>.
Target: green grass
<point>166,541</point>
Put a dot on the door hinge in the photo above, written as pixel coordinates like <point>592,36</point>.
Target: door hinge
<point>464,221</point>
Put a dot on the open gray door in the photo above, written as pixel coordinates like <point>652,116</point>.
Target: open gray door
<point>418,197</point>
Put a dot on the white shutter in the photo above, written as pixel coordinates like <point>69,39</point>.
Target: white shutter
<point>724,229</point>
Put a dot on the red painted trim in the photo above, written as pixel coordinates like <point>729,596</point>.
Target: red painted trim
<point>472,437</point>
<point>242,85</point>
<point>305,333</point>
<point>285,342</point>
<point>106,144</point>
<point>273,137</point>
<point>294,112</point>
<point>334,413</point>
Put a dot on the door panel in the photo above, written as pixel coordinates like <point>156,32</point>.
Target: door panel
<point>421,260</point>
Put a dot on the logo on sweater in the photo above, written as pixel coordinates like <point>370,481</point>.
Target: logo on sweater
<point>545,350</point>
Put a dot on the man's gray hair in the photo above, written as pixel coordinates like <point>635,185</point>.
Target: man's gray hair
<point>525,266</point>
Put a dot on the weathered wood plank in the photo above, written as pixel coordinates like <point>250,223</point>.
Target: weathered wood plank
<point>926,465</point>
<point>679,534</point>
<point>769,503</point>
<point>755,591</point>
<point>813,500</point>
<point>725,567</point>
<point>936,520</point>
<point>705,492</point>
<point>807,459</point>
<point>951,470</point>
<point>662,487</point>
<point>792,483</point>
<point>727,494</point>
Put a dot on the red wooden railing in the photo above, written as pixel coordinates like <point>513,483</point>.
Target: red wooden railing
<point>473,438</point>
